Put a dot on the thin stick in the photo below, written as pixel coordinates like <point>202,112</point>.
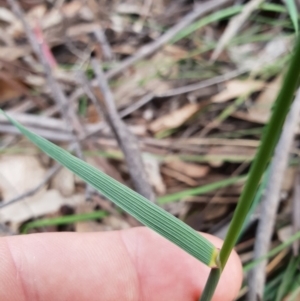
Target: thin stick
<point>46,133</point>
<point>62,102</point>
<point>199,11</point>
<point>35,120</point>
<point>182,90</point>
<point>271,200</point>
<point>173,92</point>
<point>126,139</point>
<point>56,89</point>
<point>102,40</point>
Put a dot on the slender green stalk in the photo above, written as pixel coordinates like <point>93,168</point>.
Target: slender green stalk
<point>261,160</point>
<point>211,284</point>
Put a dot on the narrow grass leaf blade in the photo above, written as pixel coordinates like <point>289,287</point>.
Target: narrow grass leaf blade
<point>139,207</point>
<point>288,277</point>
<point>221,15</point>
<point>292,9</point>
<point>200,190</point>
<point>63,220</point>
<point>217,16</point>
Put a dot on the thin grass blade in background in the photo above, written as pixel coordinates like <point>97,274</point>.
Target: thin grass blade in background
<point>286,281</point>
<point>200,190</point>
<point>63,220</point>
<point>293,12</point>
<point>234,26</point>
<point>143,210</point>
<point>273,252</point>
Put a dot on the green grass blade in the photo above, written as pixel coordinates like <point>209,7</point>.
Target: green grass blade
<point>223,14</point>
<point>263,156</point>
<point>288,277</point>
<point>217,16</point>
<point>63,220</point>
<point>264,153</point>
<point>277,8</point>
<point>200,190</point>
<point>210,287</point>
<point>293,12</point>
<point>273,252</point>
<point>270,288</point>
<point>294,294</point>
<point>139,207</point>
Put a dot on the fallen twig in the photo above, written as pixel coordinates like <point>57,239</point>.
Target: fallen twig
<point>101,39</point>
<point>56,89</point>
<point>173,92</point>
<point>126,140</point>
<point>58,136</point>
<point>271,200</point>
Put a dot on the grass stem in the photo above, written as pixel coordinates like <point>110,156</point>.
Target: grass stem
<point>265,151</point>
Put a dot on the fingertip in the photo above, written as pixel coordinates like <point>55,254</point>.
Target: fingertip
<point>134,264</point>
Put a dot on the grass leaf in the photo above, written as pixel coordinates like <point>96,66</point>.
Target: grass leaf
<point>200,190</point>
<point>146,212</point>
<point>292,9</point>
<point>63,220</point>
<point>288,277</point>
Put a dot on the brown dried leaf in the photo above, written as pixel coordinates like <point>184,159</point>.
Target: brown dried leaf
<point>14,181</point>
<point>215,211</point>
<point>289,178</point>
<point>236,88</point>
<point>153,172</point>
<point>64,182</point>
<point>174,119</point>
<point>36,14</point>
<point>71,9</point>
<point>81,29</point>
<point>10,88</point>
<point>189,169</point>
<point>179,176</point>
<point>12,53</point>
<point>285,233</point>
<point>7,16</point>
<point>261,110</point>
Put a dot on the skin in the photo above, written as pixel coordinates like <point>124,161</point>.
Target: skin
<point>129,265</point>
